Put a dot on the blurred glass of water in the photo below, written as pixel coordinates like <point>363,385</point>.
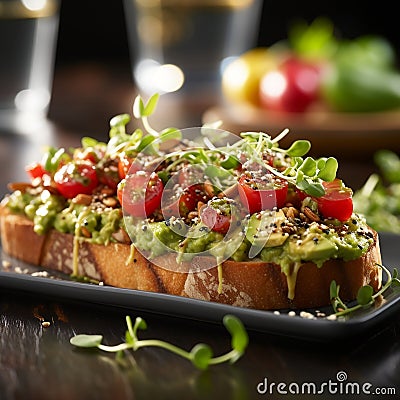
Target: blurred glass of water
<point>182,45</point>
<point>28,34</point>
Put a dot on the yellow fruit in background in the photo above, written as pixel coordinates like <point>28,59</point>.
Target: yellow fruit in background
<point>241,78</point>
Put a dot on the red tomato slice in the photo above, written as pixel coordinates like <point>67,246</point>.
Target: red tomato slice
<point>141,193</point>
<point>124,165</point>
<point>191,192</point>
<point>89,154</point>
<point>35,170</point>
<point>107,173</point>
<point>73,179</point>
<point>337,201</point>
<point>187,201</point>
<point>191,196</point>
<point>214,219</point>
<point>257,194</point>
<point>109,178</point>
<point>192,179</point>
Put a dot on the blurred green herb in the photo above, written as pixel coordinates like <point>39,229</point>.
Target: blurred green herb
<point>201,355</point>
<point>362,77</point>
<point>379,198</point>
<point>315,40</point>
<point>365,295</point>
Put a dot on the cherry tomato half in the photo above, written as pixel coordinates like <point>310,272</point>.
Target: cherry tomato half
<point>258,194</point>
<point>89,154</point>
<point>186,191</point>
<point>337,201</point>
<point>73,179</point>
<point>140,193</point>
<point>109,177</point>
<point>192,180</point>
<point>186,202</point>
<point>191,196</point>
<point>125,164</point>
<point>35,170</point>
<point>216,218</point>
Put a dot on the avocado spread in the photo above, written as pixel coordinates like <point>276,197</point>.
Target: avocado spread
<point>285,244</point>
<point>95,222</point>
<point>314,241</point>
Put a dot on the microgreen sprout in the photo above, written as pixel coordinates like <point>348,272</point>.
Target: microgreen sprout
<point>306,174</point>
<point>53,157</point>
<point>365,295</point>
<point>142,111</point>
<point>140,140</point>
<point>201,355</point>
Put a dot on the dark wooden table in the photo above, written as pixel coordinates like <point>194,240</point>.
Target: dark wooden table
<point>38,362</point>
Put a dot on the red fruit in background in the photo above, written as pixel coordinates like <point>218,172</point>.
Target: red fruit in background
<point>292,87</point>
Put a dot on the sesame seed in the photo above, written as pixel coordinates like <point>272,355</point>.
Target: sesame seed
<point>306,315</point>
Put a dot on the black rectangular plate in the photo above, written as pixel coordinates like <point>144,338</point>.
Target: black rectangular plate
<point>16,275</point>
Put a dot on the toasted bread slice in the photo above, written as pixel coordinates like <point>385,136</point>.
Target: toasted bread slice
<point>252,284</point>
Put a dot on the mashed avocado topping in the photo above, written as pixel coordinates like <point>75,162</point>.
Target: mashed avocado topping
<point>313,241</point>
<point>42,209</point>
<point>318,243</point>
<point>157,238</point>
<point>49,211</point>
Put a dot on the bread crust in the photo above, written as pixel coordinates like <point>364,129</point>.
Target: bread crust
<point>251,284</point>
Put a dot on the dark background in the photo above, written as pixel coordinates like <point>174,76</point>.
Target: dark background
<point>96,31</point>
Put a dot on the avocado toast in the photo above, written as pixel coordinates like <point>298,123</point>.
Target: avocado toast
<point>199,213</point>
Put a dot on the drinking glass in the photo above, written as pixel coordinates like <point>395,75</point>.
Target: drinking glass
<point>28,36</point>
<point>182,46</point>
